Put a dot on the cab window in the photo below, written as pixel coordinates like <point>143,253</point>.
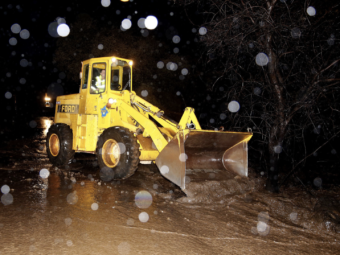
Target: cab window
<point>98,83</point>
<point>126,76</point>
<point>120,75</point>
<point>115,81</point>
<point>85,77</point>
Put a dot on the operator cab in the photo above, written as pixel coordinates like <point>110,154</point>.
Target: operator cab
<point>109,73</point>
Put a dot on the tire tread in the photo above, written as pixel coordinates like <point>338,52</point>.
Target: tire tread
<point>131,145</point>
<point>65,136</point>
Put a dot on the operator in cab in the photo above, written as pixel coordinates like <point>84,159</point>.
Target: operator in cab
<point>100,82</point>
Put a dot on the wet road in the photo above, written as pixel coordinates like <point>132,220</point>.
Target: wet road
<point>74,212</point>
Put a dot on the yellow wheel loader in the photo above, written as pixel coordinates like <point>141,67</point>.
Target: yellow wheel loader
<point>107,118</point>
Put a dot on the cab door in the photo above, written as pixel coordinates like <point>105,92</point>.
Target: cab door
<point>84,88</point>
<point>94,94</point>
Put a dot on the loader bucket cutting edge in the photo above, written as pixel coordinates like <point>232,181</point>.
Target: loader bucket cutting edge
<point>193,149</point>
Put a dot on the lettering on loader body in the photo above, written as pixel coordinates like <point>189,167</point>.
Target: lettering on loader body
<point>68,108</point>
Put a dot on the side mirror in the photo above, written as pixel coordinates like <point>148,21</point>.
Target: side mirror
<point>80,75</point>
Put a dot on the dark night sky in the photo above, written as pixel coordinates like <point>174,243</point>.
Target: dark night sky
<point>29,84</point>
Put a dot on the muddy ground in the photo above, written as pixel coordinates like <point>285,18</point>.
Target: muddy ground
<point>74,212</point>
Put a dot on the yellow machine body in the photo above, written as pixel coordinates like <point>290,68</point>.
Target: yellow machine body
<point>171,145</point>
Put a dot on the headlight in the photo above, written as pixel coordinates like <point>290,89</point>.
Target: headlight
<point>110,102</point>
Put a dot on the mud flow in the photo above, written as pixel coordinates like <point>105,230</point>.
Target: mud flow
<point>72,211</point>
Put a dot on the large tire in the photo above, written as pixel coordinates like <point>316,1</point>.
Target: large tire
<point>118,153</point>
<point>59,144</point>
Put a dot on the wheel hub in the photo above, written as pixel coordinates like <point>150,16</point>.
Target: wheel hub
<point>111,153</point>
<point>54,145</point>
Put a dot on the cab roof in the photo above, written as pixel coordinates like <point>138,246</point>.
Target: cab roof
<point>106,59</point>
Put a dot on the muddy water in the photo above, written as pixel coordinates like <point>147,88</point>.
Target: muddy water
<point>58,215</point>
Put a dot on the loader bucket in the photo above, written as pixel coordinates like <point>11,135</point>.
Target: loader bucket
<point>198,149</point>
